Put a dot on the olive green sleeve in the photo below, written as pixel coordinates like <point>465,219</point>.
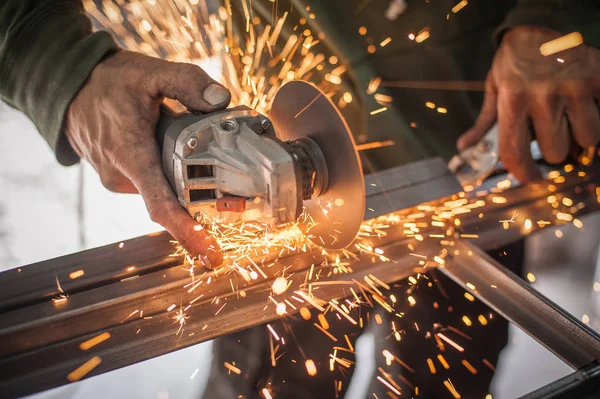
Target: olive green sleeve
<point>564,16</point>
<point>47,51</point>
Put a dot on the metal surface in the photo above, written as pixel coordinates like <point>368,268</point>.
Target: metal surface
<point>513,298</point>
<point>582,384</point>
<point>474,164</point>
<point>40,338</point>
<point>301,110</point>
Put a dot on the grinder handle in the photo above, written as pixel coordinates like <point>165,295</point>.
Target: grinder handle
<point>168,127</point>
<point>166,119</point>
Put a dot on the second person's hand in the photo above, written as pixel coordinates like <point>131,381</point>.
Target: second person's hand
<point>557,100</point>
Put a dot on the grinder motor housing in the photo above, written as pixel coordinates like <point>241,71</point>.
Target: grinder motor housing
<point>230,166</point>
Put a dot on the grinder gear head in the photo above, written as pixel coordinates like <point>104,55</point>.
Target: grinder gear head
<point>238,165</point>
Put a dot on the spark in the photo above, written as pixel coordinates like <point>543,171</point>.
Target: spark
<point>489,365</point>
<point>308,105</point>
<point>378,111</point>
<point>232,368</point>
<point>448,340</point>
<point>279,285</point>
<point>459,6</point>
<point>334,339</point>
<point>431,366</point>
<point>387,384</point>
<point>90,343</point>
<point>373,85</point>
<point>76,274</point>
<point>469,366</point>
<point>375,144</point>
<point>273,332</point>
<point>562,43</point>
<point>443,362</point>
<point>84,369</point>
<point>310,367</point>
<point>422,36</point>
<point>266,393</point>
<point>451,388</point>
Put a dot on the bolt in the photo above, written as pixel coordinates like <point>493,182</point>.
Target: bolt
<point>265,124</point>
<point>192,142</point>
<point>228,125</point>
<point>484,146</point>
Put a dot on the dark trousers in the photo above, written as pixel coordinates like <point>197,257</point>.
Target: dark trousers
<point>422,363</point>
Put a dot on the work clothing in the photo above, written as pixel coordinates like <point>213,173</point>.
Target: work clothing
<point>47,52</point>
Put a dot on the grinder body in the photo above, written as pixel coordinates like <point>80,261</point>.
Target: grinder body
<point>230,166</point>
<point>299,165</point>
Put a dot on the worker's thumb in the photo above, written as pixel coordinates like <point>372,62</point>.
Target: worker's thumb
<point>486,119</point>
<point>191,86</point>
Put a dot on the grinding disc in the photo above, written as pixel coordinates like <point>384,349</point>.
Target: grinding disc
<point>302,110</point>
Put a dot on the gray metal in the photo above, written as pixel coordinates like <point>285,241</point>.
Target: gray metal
<point>301,110</point>
<point>513,298</point>
<point>476,163</point>
<point>232,166</point>
<point>233,158</point>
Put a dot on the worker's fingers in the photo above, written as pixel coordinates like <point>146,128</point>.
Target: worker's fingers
<point>514,137</point>
<point>146,173</point>
<point>584,119</point>
<point>486,119</point>
<point>550,125</point>
<point>188,84</point>
<point>116,182</point>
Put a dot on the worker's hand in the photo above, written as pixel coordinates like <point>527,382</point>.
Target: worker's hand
<point>112,121</point>
<point>528,93</point>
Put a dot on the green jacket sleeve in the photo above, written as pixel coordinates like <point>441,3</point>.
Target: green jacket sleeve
<point>47,51</point>
<point>564,16</point>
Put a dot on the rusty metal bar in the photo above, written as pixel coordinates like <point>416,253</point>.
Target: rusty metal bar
<point>41,338</point>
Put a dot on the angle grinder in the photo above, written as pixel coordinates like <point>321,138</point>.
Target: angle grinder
<point>299,165</point>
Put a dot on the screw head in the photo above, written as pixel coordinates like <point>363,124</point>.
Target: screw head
<point>192,142</point>
<point>228,125</point>
<point>265,124</point>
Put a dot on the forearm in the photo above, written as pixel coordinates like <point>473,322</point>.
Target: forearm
<point>47,51</point>
<point>560,15</point>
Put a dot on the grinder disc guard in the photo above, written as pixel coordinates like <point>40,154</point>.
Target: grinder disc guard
<point>301,110</point>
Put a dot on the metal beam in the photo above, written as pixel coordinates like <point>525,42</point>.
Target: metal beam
<point>513,298</point>
<point>41,338</point>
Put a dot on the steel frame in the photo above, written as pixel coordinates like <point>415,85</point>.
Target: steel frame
<point>140,275</point>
